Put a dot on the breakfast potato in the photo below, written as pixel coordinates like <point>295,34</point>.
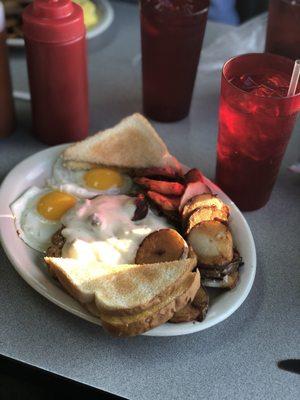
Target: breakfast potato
<point>202,214</point>
<point>203,200</point>
<point>219,271</point>
<point>194,311</point>
<point>187,314</point>
<point>212,243</point>
<point>160,246</point>
<point>227,282</point>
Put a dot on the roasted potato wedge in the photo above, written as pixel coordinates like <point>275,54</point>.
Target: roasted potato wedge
<point>227,282</point>
<point>194,311</point>
<point>202,200</point>
<point>207,213</point>
<point>212,243</point>
<point>219,271</point>
<point>160,246</point>
<point>186,314</point>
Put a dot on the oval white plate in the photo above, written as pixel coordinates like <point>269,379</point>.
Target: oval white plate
<point>107,17</point>
<point>29,263</point>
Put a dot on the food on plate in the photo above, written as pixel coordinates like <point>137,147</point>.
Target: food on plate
<point>165,203</point>
<point>202,214</point>
<point>195,310</point>
<point>195,185</point>
<point>155,315</point>
<point>163,187</point>
<point>219,270</point>
<point>167,172</point>
<point>88,180</point>
<point>227,282</point>
<point>133,143</point>
<point>212,242</point>
<point>38,214</point>
<point>129,232</point>
<point>142,207</point>
<point>129,299</point>
<point>57,243</point>
<point>203,200</point>
<point>222,276</point>
<point>160,246</point>
<point>103,229</point>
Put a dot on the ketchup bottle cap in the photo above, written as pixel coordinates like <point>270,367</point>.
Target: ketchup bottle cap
<point>53,21</point>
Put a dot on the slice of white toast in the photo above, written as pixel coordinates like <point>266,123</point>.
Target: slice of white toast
<point>120,290</point>
<point>132,143</point>
<point>157,314</point>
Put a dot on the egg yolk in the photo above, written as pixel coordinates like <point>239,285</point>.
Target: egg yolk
<point>54,205</point>
<point>103,178</point>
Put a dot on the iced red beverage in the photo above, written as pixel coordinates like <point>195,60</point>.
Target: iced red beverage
<point>172,32</point>
<point>283,33</point>
<point>256,120</point>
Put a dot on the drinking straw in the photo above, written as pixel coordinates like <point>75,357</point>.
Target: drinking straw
<point>19,95</point>
<point>294,79</point>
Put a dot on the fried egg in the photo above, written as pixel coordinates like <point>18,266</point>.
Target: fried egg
<point>38,214</point>
<point>89,183</point>
<point>102,230</point>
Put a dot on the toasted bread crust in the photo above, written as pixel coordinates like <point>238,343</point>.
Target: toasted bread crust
<point>143,324</point>
<point>121,279</point>
<point>190,264</point>
<point>132,143</point>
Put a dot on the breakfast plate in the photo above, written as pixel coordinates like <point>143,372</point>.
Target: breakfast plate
<point>33,171</point>
<point>104,9</point>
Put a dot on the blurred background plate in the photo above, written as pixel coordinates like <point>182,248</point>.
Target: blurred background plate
<point>105,12</point>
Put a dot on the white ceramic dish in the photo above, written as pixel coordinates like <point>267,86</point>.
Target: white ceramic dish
<point>107,17</point>
<point>29,264</point>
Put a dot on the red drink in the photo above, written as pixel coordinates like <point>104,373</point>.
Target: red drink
<point>255,124</point>
<point>172,33</point>
<point>283,34</point>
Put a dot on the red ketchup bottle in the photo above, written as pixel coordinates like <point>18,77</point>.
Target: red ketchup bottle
<point>7,113</point>
<point>55,44</point>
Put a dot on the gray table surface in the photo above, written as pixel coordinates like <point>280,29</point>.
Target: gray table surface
<point>233,360</point>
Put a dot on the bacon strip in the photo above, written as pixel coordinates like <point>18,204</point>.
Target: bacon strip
<point>163,187</point>
<point>164,202</point>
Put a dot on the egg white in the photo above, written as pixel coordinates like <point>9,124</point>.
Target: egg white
<point>35,230</point>
<point>72,182</point>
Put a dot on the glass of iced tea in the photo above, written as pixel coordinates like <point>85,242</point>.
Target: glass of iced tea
<point>283,32</point>
<point>256,120</point>
<point>172,32</point>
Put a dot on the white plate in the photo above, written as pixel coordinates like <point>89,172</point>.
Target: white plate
<point>29,264</point>
<point>107,17</point>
